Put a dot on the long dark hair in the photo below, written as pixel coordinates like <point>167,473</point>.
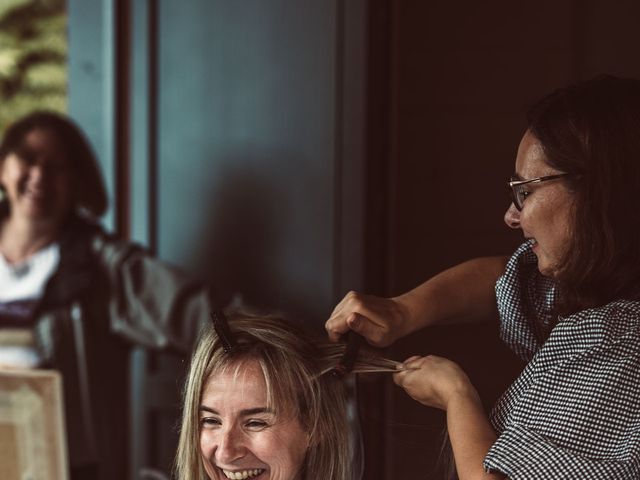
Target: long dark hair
<point>592,131</point>
<point>90,194</point>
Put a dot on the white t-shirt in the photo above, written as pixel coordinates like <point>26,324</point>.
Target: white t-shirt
<point>21,286</point>
<point>27,279</point>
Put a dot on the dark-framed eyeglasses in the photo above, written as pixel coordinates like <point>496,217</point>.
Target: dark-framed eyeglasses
<point>519,193</point>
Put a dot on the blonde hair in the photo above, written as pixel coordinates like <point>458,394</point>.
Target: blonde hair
<point>295,369</point>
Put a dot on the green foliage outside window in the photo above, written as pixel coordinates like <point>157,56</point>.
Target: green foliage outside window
<point>33,57</point>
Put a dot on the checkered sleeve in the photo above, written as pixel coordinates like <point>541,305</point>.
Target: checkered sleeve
<point>574,412</point>
<point>544,459</point>
<point>525,301</point>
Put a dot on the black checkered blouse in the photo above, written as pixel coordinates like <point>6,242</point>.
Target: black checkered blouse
<point>574,412</point>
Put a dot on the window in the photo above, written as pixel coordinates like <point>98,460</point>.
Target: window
<point>33,57</point>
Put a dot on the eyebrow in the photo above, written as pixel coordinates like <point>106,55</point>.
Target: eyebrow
<point>243,413</point>
<point>517,177</point>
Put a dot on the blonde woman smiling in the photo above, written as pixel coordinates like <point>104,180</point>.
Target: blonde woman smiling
<point>264,403</point>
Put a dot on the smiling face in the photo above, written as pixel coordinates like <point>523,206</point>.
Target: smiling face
<point>37,179</point>
<point>240,437</point>
<point>546,214</point>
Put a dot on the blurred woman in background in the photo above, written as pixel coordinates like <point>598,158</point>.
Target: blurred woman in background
<point>74,298</point>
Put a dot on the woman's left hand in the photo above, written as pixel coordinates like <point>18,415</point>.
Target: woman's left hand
<point>433,381</point>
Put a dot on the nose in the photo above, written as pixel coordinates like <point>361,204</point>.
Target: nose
<point>512,217</point>
<point>230,447</point>
<point>37,171</point>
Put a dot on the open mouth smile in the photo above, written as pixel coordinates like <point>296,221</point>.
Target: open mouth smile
<point>243,474</point>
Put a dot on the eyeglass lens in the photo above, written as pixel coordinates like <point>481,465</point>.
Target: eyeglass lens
<point>518,193</point>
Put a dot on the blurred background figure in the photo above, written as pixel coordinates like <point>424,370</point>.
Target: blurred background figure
<point>74,298</point>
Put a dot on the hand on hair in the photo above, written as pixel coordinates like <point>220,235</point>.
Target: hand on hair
<point>434,381</point>
<point>379,320</point>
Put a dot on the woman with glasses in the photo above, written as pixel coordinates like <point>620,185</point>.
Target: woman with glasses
<point>568,301</point>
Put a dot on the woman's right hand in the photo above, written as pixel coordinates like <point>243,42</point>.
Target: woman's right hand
<point>463,293</point>
<point>381,321</point>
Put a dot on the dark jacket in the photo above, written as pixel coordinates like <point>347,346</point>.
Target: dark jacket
<point>106,296</point>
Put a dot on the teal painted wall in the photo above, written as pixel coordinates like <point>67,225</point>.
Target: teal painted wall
<point>247,146</point>
<point>238,152</point>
